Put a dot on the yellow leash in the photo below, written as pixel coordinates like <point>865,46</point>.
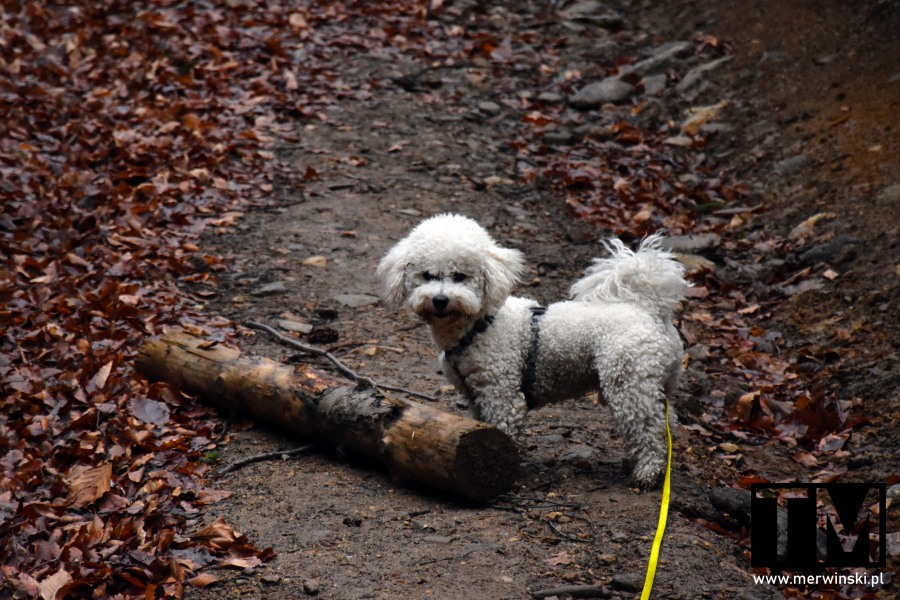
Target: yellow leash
<point>663,516</point>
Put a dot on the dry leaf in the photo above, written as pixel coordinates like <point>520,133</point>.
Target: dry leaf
<point>53,586</point>
<point>87,484</point>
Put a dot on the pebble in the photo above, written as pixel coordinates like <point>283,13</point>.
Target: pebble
<point>654,84</point>
<point>611,89</point>
<point>294,326</point>
<point>696,74</point>
<point>679,140</point>
<point>832,252</point>
<point>489,107</point>
<point>271,289</point>
<point>583,457</point>
<point>629,582</point>
<point>889,196</point>
<point>558,137</point>
<point>608,559</point>
<point>662,58</point>
<point>550,97</point>
<point>357,300</point>
<point>691,243</point>
<point>789,164</point>
<point>270,579</point>
<point>315,261</point>
<point>311,586</point>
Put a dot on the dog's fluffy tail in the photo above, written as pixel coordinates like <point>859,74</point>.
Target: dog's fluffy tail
<point>650,277</point>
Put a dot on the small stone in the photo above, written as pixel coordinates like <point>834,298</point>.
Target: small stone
<point>558,137</point>
<point>619,536</point>
<point>489,107</point>
<point>437,539</point>
<point>611,89</point>
<point>663,57</point>
<point>789,164</point>
<point>889,196</point>
<point>654,84</point>
<point>271,289</point>
<point>679,140</point>
<point>550,98</point>
<point>696,74</point>
<point>270,579</point>
<point>294,326</point>
<point>357,300</point>
<point>315,261</point>
<point>629,582</point>
<point>311,586</point>
<point>410,212</point>
<point>579,455</point>
<point>608,559</point>
<point>691,243</point>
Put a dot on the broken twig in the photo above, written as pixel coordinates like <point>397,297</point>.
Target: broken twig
<point>238,464</point>
<point>341,367</point>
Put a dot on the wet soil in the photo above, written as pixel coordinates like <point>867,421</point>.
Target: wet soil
<point>813,91</point>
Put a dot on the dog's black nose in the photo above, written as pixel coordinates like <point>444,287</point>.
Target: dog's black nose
<point>440,301</point>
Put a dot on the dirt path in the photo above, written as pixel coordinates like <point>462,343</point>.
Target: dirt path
<point>342,529</point>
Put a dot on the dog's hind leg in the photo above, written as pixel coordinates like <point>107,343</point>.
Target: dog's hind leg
<point>634,390</point>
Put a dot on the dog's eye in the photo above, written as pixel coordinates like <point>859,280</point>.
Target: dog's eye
<point>459,277</point>
<point>429,276</point>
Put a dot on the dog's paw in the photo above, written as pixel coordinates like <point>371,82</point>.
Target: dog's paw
<point>647,476</point>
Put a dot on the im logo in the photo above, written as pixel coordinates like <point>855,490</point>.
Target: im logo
<point>786,519</point>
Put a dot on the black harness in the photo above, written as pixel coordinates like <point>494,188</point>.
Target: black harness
<point>529,374</point>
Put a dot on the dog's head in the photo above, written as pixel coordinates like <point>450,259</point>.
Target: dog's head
<point>450,272</point>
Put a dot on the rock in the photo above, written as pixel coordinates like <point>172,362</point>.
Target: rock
<point>550,98</point>
<point>357,300</point>
<point>837,250</point>
<point>579,455</point>
<point>629,582</point>
<point>437,539</point>
<point>491,108</point>
<point>792,163</point>
<point>608,559</point>
<point>315,261</point>
<point>619,536</point>
<point>691,243</point>
<point>294,326</point>
<point>601,133</point>
<point>679,140</point>
<point>311,586</point>
<point>558,137</point>
<point>611,89</point>
<point>271,289</point>
<point>889,196</point>
<point>654,84</point>
<point>410,212</point>
<point>270,579</point>
<point>663,57</point>
<point>696,74</point>
<point>593,12</point>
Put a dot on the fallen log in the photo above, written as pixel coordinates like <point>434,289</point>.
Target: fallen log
<point>416,442</point>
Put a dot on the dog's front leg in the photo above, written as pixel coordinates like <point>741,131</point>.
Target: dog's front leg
<point>503,408</point>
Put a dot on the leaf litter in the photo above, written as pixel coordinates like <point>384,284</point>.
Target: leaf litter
<point>132,131</point>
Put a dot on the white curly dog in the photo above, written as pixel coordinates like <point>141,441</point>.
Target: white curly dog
<point>507,355</point>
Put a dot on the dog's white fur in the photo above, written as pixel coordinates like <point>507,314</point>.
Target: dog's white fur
<point>616,333</point>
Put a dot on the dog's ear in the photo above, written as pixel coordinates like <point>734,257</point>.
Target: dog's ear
<point>502,269</point>
<point>392,273</point>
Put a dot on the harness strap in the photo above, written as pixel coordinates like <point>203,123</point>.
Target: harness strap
<point>529,377</point>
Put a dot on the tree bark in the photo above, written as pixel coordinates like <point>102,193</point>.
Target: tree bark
<point>416,442</point>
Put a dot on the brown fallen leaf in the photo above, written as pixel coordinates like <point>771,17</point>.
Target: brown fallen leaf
<point>202,580</point>
<point>55,586</point>
<point>87,485</point>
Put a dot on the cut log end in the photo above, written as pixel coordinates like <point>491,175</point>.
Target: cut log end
<point>487,463</point>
